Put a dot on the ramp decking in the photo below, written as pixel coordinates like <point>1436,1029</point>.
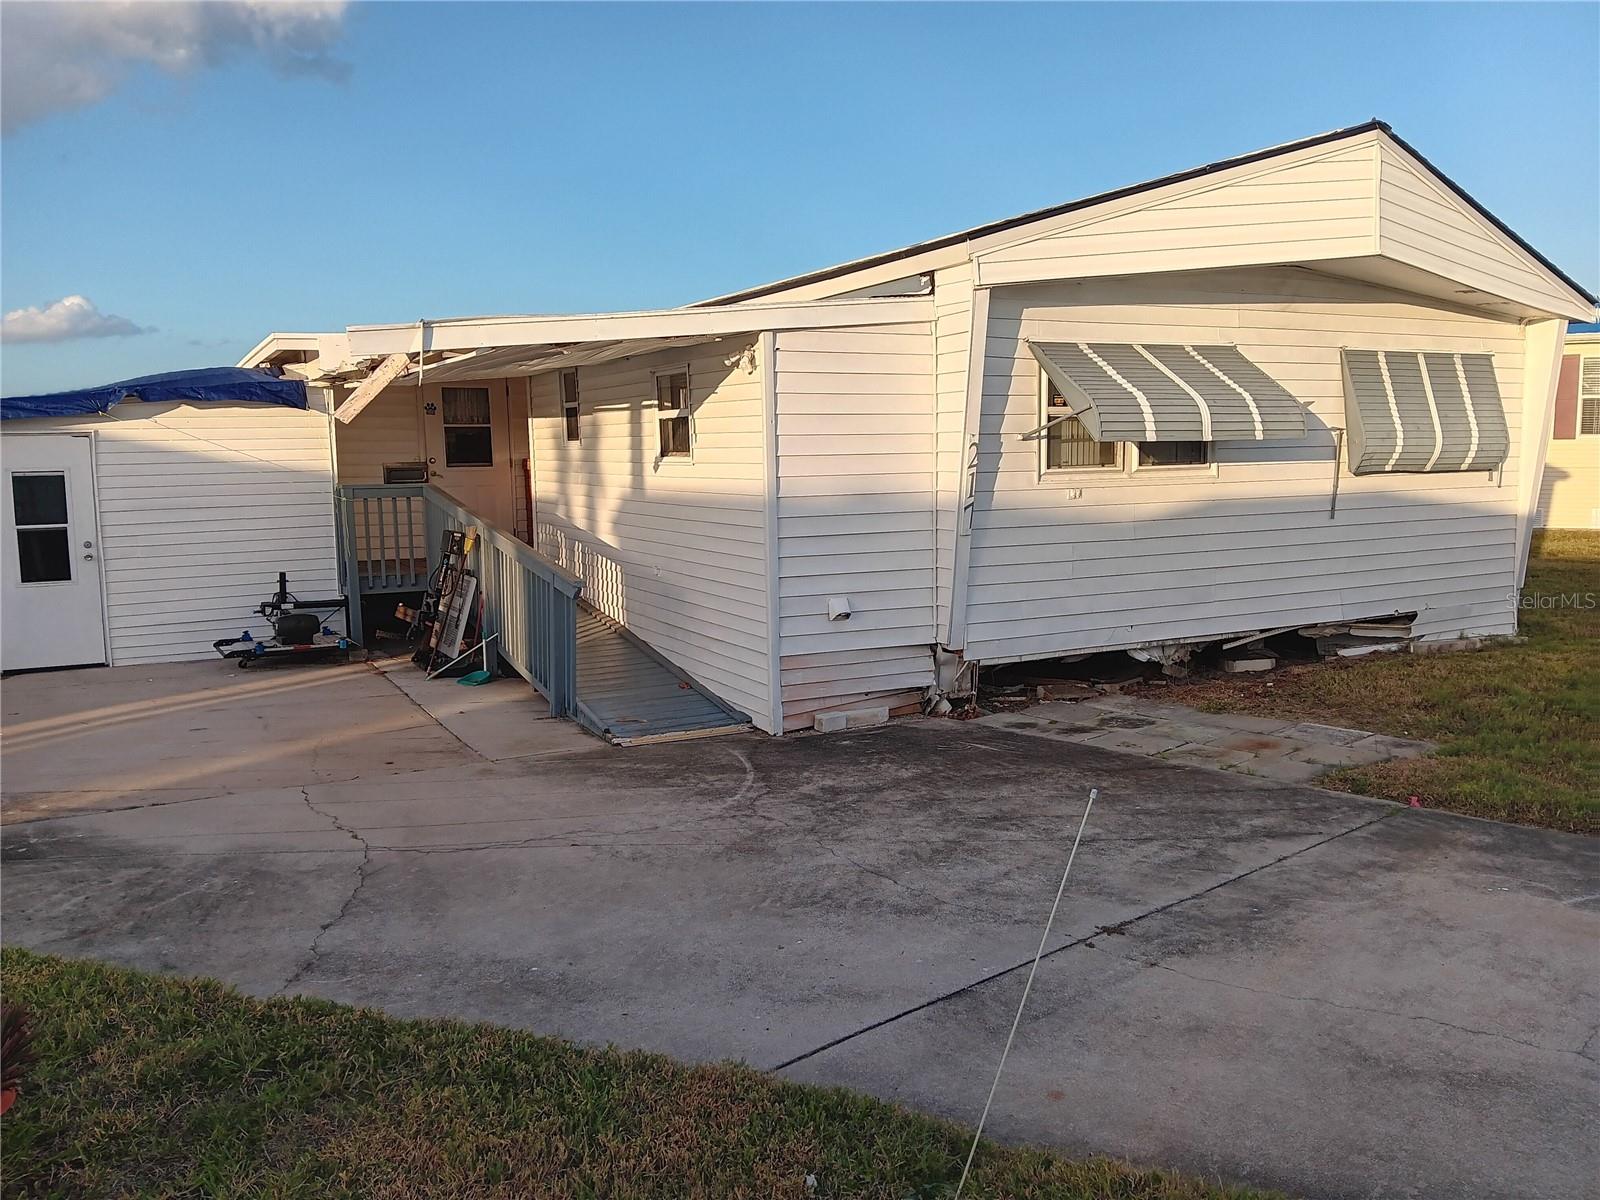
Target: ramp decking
<point>629,694</point>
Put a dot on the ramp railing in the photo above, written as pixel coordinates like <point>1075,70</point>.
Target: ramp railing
<point>529,601</point>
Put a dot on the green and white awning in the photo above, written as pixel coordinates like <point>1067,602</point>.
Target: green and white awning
<point>1423,411</point>
<point>1127,392</point>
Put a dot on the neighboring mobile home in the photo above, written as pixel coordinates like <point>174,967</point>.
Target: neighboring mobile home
<point>1310,385</point>
<point>146,519</point>
<point>1569,496</point>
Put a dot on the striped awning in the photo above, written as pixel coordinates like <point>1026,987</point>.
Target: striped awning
<point>1123,392</point>
<point>1423,411</point>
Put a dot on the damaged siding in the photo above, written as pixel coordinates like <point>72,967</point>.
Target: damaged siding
<point>1109,560</point>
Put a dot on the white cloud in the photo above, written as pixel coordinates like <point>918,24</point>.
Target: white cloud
<point>69,318</point>
<point>55,57</point>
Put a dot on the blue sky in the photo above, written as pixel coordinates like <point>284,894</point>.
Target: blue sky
<point>544,158</point>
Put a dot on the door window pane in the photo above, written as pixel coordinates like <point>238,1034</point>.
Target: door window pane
<point>468,435</point>
<point>43,555</point>
<point>40,499</point>
<point>468,446</point>
<point>465,406</point>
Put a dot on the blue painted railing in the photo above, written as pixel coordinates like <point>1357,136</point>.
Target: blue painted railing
<point>531,602</point>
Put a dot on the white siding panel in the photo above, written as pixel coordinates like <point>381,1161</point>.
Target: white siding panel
<point>1423,224</point>
<point>952,307</point>
<point>857,442</point>
<point>1319,204</point>
<point>1108,560</point>
<point>200,507</point>
<point>675,550</point>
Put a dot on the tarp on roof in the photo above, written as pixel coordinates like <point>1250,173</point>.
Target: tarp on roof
<point>209,385</point>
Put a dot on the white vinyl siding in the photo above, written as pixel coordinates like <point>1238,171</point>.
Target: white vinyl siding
<point>673,549</point>
<point>1424,225</point>
<point>200,507</point>
<point>1316,204</point>
<point>856,486</point>
<point>388,430</point>
<point>1248,544</point>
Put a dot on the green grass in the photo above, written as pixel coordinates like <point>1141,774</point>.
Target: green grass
<point>1516,723</point>
<point>153,1086</point>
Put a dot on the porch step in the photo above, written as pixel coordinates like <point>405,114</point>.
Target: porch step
<point>629,694</point>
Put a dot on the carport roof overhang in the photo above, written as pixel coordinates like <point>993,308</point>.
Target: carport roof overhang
<point>482,347</point>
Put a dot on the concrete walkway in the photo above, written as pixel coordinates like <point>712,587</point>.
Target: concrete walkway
<point>1263,982</point>
<point>1287,751</point>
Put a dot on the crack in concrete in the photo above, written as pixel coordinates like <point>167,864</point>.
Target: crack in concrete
<point>1323,1000</point>
<point>1583,1050</point>
<point>1122,925</point>
<point>314,952</point>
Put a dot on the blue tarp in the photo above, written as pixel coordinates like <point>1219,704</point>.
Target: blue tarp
<point>209,385</point>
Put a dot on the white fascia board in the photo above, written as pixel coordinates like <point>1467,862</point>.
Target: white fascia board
<point>850,276</point>
<point>472,333</point>
<point>275,343</point>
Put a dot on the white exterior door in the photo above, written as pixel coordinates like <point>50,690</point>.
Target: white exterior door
<point>469,446</point>
<point>52,615</point>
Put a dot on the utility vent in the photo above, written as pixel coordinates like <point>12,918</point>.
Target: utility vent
<point>411,472</point>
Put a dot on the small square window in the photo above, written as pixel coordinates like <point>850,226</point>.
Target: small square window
<point>569,404</point>
<point>1174,454</point>
<point>672,405</point>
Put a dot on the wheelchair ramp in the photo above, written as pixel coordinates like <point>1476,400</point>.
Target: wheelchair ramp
<point>630,695</point>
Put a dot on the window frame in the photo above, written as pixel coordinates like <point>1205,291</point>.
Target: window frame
<point>1129,459</point>
<point>445,425</point>
<point>1118,465</point>
<point>571,409</point>
<point>686,412</point>
<point>1207,466</point>
<point>64,527</point>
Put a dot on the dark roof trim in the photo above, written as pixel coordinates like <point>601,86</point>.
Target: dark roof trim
<point>1040,214</point>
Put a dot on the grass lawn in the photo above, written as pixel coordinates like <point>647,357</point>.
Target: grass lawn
<point>147,1085</point>
<point>1516,723</point>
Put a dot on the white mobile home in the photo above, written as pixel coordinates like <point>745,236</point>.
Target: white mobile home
<point>145,520</point>
<point>1311,384</point>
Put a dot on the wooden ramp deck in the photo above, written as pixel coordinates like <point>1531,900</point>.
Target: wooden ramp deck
<point>631,695</point>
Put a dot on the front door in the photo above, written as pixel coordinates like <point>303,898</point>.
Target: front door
<point>52,614</point>
<point>469,446</point>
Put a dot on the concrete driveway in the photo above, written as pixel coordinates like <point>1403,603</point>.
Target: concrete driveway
<point>1263,982</point>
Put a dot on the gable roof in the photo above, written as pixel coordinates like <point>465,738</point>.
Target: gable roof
<point>1043,214</point>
